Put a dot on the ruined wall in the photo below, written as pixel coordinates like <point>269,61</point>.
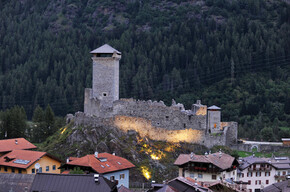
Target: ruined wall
<point>91,105</point>
<point>160,115</point>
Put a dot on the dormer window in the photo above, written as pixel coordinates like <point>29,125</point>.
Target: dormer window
<point>107,165</point>
<point>119,163</point>
<point>102,166</point>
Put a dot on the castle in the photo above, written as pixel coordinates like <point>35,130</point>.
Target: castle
<point>200,124</point>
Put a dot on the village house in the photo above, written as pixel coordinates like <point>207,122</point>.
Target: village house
<point>110,166</point>
<point>209,167</point>
<point>262,172</point>
<point>7,145</point>
<point>283,186</point>
<point>29,162</point>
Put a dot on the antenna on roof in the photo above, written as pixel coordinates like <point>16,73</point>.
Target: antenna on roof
<point>220,153</point>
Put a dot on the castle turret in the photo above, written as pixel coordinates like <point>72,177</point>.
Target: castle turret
<point>105,86</point>
<point>214,119</point>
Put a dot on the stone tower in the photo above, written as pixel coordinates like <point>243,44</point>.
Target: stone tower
<point>214,119</point>
<point>105,87</point>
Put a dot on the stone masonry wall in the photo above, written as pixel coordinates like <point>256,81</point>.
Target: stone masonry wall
<point>160,115</point>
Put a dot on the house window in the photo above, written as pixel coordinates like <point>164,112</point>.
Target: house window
<point>20,171</point>
<point>122,176</point>
<point>40,170</point>
<point>199,175</point>
<point>13,170</point>
<point>213,177</point>
<point>258,174</point>
<point>242,174</point>
<point>250,190</point>
<point>267,181</point>
<point>5,169</point>
<point>267,173</point>
<point>192,175</point>
<point>249,174</point>
<point>33,170</point>
<point>284,172</point>
<point>112,178</point>
<point>278,173</point>
<point>249,181</point>
<point>47,168</point>
<point>184,125</point>
<point>53,167</point>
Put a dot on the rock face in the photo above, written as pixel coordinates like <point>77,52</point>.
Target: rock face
<point>86,135</point>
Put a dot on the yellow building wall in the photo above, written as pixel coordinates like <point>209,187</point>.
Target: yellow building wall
<point>44,161</point>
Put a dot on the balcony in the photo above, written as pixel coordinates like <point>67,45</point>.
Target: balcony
<point>259,168</point>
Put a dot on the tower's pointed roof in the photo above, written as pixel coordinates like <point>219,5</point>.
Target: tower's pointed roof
<point>105,49</point>
<point>214,107</point>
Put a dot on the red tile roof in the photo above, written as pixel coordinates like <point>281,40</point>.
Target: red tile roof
<point>7,145</point>
<point>22,158</point>
<point>113,163</point>
<point>223,161</point>
<point>24,155</point>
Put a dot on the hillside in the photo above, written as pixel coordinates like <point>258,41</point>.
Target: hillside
<point>170,49</point>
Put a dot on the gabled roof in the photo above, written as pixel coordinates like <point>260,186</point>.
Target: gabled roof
<point>247,161</point>
<point>277,187</point>
<point>7,145</point>
<point>22,158</point>
<point>73,182</point>
<point>122,188</point>
<point>112,163</point>
<point>15,182</point>
<point>277,162</point>
<point>182,184</point>
<point>105,49</point>
<point>223,161</point>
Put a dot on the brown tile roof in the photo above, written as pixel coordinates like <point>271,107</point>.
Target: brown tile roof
<point>223,161</point>
<point>22,158</point>
<point>7,145</point>
<point>113,163</point>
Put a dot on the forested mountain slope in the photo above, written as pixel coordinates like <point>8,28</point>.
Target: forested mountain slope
<point>170,49</point>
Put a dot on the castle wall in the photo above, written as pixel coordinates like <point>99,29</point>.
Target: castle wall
<point>91,105</point>
<point>160,115</point>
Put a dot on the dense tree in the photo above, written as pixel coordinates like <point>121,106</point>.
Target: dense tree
<point>178,49</point>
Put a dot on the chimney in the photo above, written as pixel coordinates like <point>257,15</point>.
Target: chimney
<point>96,177</point>
<point>206,154</point>
<point>191,155</point>
<point>67,160</point>
<point>96,154</point>
<point>220,153</point>
<point>114,154</point>
<point>198,102</point>
<point>16,142</point>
